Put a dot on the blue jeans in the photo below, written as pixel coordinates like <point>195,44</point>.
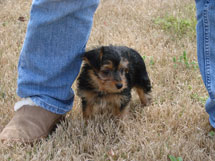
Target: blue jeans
<point>206,51</point>
<point>50,59</point>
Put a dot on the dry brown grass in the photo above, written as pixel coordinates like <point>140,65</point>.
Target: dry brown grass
<point>174,124</point>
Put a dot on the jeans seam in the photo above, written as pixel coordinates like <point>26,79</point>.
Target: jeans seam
<point>207,47</point>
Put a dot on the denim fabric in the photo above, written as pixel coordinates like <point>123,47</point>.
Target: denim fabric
<point>206,51</point>
<point>50,59</point>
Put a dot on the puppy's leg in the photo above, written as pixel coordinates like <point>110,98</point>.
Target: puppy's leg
<point>116,111</point>
<point>87,109</point>
<point>120,105</point>
<point>142,96</point>
<point>119,113</point>
<point>143,86</point>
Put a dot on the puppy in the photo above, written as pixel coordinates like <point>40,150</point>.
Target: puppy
<point>107,77</point>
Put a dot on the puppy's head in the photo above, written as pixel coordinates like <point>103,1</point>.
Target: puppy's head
<point>109,69</point>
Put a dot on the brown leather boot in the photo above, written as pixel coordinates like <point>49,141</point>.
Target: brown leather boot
<point>30,124</point>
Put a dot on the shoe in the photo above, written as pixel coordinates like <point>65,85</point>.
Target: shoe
<point>30,124</point>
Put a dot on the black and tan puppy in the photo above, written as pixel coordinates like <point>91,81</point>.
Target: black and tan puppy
<point>107,77</point>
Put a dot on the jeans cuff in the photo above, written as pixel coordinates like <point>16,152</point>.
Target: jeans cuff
<point>52,108</point>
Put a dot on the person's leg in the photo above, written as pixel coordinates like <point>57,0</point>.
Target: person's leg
<point>50,60</point>
<point>206,51</point>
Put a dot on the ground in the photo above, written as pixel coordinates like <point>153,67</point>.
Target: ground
<point>174,126</point>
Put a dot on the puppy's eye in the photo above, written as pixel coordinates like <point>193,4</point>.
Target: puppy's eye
<point>121,70</point>
<point>106,72</point>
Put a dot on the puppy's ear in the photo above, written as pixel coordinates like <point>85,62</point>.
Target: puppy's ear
<point>94,57</point>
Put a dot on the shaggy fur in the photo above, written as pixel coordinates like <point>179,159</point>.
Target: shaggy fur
<point>107,77</point>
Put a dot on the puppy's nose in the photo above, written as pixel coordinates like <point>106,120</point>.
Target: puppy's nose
<point>118,85</point>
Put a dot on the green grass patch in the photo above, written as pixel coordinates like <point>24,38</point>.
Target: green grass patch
<point>151,60</point>
<point>172,158</point>
<point>179,25</point>
<point>196,97</point>
<point>183,60</point>
<point>211,134</point>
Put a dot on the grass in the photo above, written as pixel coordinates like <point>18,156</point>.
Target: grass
<point>174,127</point>
<point>183,60</point>
<point>178,25</point>
<point>172,158</point>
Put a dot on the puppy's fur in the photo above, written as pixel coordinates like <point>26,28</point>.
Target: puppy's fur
<point>107,77</point>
